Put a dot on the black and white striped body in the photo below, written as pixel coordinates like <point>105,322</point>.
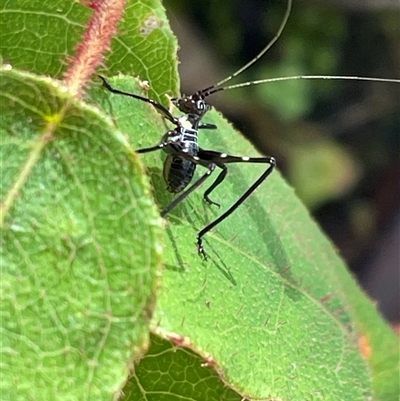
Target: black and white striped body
<point>178,171</point>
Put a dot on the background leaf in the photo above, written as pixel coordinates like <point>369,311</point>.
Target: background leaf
<point>171,372</point>
<point>42,36</point>
<point>146,48</point>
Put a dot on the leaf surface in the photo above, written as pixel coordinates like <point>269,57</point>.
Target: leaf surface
<point>270,306</point>
<point>273,313</point>
<point>41,37</point>
<point>81,245</point>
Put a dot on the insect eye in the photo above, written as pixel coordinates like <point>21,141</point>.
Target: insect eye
<point>200,105</point>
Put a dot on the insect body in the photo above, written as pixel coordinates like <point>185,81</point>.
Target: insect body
<point>184,153</point>
<point>179,171</point>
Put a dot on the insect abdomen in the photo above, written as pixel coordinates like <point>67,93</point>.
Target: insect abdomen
<point>178,172</point>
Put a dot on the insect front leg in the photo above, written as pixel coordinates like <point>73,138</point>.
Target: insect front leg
<point>158,106</point>
<point>152,148</point>
<point>203,125</point>
<point>165,142</point>
<point>222,159</point>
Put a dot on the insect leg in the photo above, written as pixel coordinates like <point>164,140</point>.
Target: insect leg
<point>152,148</point>
<point>164,111</point>
<point>203,125</point>
<point>184,194</point>
<point>223,158</point>
<point>220,178</point>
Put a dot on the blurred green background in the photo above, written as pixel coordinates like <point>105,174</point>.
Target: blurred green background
<point>337,142</point>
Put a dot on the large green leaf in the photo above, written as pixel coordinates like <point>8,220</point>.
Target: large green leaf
<point>273,314</point>
<point>274,307</point>
<point>81,244</point>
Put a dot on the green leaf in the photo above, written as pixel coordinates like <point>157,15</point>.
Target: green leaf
<point>275,307</point>
<point>171,373</point>
<point>146,48</point>
<point>274,313</point>
<point>41,37</point>
<point>81,244</point>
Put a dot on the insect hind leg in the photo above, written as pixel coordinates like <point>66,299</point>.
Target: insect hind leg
<point>219,179</point>
<point>222,159</point>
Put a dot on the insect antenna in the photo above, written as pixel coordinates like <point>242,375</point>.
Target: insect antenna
<point>294,77</point>
<point>218,88</point>
<point>205,92</point>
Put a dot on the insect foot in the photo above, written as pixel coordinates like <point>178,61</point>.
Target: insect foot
<point>200,248</point>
